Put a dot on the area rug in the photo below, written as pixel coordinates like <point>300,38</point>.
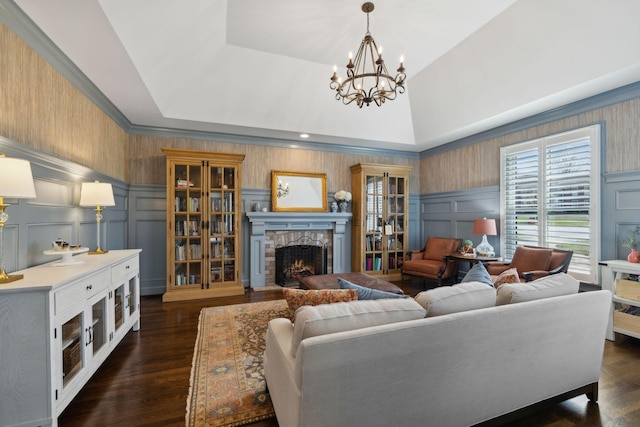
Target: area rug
<point>227,386</point>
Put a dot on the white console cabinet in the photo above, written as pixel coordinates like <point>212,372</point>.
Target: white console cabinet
<point>57,326</point>
<point>622,278</point>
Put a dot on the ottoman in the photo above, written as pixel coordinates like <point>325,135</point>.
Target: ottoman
<point>330,281</point>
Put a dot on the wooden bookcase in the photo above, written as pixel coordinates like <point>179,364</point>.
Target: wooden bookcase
<point>380,218</point>
<point>203,224</point>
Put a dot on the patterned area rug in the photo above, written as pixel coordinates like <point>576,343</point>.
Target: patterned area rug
<point>227,386</point>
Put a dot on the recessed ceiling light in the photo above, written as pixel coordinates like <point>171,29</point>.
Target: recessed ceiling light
<point>304,135</point>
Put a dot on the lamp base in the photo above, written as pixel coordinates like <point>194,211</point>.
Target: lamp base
<point>98,251</point>
<point>484,248</point>
<point>5,278</point>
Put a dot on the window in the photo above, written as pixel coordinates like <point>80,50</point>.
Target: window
<point>549,196</point>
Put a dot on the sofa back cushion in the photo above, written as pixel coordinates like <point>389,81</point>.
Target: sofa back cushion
<point>460,297</point>
<point>325,319</point>
<point>531,259</point>
<point>438,247</point>
<point>546,287</point>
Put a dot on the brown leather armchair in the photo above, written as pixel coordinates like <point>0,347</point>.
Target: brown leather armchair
<point>533,262</point>
<point>431,262</point>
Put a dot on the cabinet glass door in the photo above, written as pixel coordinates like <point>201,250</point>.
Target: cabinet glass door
<point>118,307</point>
<point>188,224</point>
<point>72,348</point>
<point>373,217</point>
<point>132,297</point>
<point>97,330</point>
<point>394,226</point>
<point>222,225</point>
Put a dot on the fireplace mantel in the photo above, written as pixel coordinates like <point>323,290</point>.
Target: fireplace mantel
<point>261,222</point>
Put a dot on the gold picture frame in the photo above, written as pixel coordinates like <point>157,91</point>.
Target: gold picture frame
<point>298,191</point>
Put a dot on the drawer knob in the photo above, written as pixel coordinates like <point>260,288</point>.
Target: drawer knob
<point>89,287</point>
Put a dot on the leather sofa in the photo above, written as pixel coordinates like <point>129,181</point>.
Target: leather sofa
<point>456,369</point>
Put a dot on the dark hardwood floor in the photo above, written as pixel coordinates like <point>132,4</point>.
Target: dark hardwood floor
<point>145,381</point>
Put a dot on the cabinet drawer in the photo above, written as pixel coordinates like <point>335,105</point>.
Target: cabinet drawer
<point>628,322</point>
<point>122,270</point>
<point>628,289</point>
<point>79,291</point>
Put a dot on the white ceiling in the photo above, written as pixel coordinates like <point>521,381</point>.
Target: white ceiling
<point>262,68</point>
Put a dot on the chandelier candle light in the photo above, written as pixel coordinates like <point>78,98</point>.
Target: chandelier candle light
<point>367,77</point>
<point>16,180</point>
<point>485,227</point>
<point>97,194</point>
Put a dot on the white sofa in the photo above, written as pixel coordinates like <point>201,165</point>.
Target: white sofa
<point>456,369</point>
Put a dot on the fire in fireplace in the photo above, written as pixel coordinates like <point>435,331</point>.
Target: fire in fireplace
<point>300,258</point>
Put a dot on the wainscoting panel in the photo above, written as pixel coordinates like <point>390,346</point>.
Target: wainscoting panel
<point>34,223</point>
<point>415,239</point>
<point>40,237</point>
<point>147,231</point>
<point>452,214</point>
<point>620,212</point>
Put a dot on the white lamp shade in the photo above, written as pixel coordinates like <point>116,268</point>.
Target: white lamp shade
<point>96,193</point>
<point>16,179</point>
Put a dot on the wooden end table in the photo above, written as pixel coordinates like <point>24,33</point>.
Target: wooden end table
<point>458,258</point>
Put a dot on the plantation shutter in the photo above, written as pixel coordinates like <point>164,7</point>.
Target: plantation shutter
<point>549,193</point>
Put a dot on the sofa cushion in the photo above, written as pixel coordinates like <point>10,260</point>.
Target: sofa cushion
<point>339,317</point>
<point>546,287</point>
<point>367,293</point>
<point>460,297</point>
<point>531,259</point>
<point>297,298</point>
<point>478,273</point>
<point>507,276</point>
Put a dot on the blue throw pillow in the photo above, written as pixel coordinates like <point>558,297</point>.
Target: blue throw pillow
<point>367,293</point>
<point>478,273</point>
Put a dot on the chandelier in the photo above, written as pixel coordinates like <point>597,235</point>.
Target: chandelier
<point>367,77</point>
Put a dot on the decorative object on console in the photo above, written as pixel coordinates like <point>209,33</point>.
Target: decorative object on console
<point>632,242</point>
<point>343,198</point>
<point>485,227</point>
<point>467,248</point>
<point>16,180</point>
<point>97,194</point>
<point>367,78</point>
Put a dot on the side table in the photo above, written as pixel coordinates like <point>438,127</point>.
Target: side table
<point>458,258</point>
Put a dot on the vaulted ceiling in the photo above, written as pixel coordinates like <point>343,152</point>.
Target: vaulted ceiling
<point>261,68</point>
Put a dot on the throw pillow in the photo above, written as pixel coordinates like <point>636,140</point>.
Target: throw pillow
<point>296,298</point>
<point>331,318</point>
<point>478,273</point>
<point>546,287</point>
<point>507,276</point>
<point>367,293</point>
<point>456,298</point>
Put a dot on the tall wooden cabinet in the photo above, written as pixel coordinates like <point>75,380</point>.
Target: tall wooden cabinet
<point>203,224</point>
<point>380,219</point>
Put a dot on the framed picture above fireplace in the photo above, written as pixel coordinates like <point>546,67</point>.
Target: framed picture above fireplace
<point>298,191</point>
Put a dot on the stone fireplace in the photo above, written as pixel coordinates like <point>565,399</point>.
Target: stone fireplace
<point>301,257</point>
<point>269,230</point>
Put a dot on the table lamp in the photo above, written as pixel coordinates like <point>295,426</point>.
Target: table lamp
<point>16,180</point>
<point>485,227</point>
<point>97,194</point>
